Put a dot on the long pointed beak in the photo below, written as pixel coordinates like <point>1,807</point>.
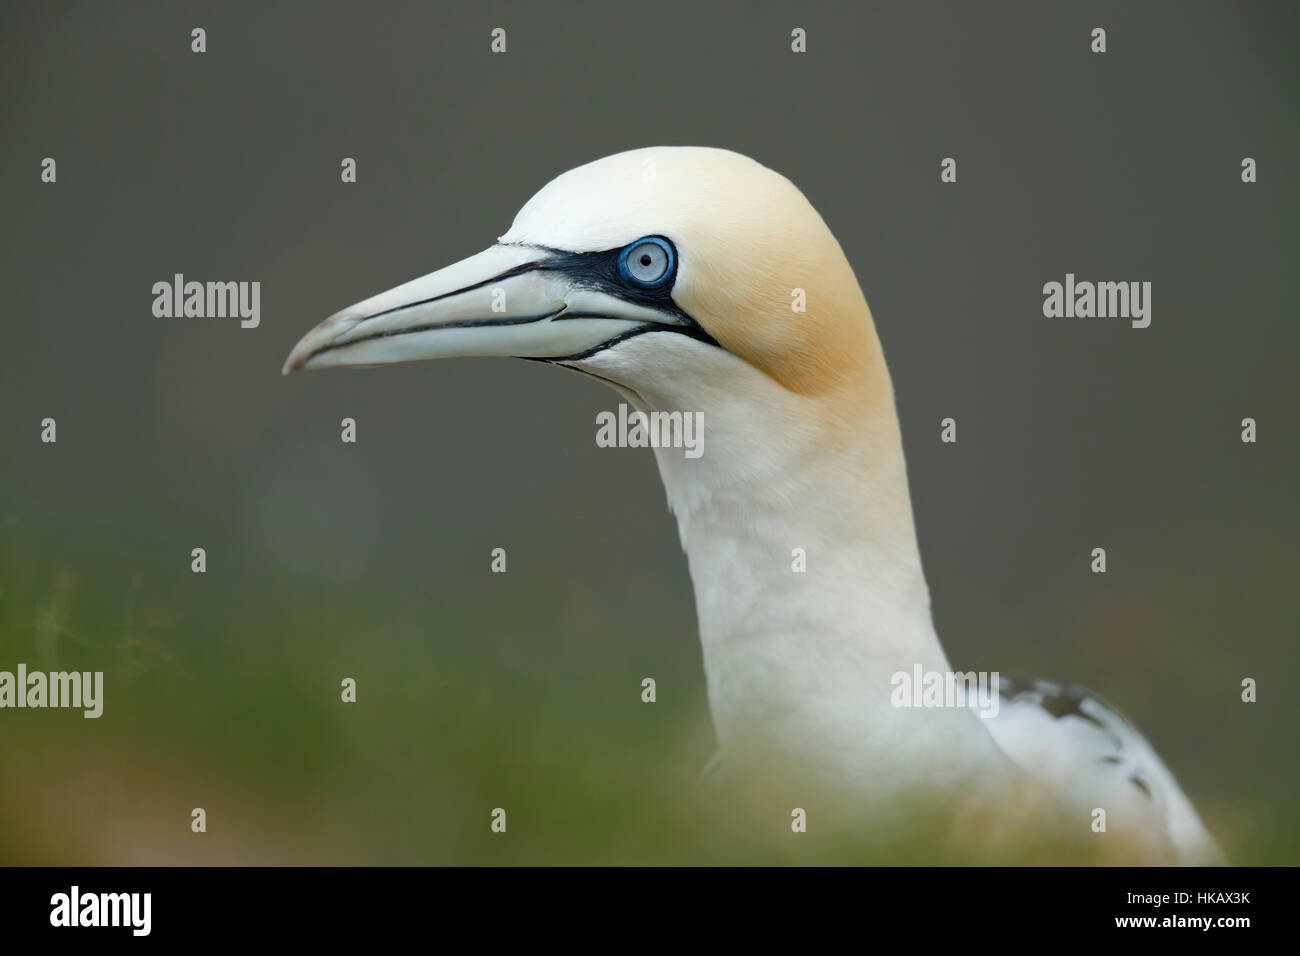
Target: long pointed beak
<point>508,300</point>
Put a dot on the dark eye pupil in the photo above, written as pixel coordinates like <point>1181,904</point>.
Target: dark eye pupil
<point>645,260</point>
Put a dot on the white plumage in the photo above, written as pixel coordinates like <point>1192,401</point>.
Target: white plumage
<point>1092,757</point>
<point>803,454</point>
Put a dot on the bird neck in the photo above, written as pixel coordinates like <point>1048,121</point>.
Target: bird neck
<point>797,524</point>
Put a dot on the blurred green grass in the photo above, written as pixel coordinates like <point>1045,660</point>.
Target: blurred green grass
<point>234,705</point>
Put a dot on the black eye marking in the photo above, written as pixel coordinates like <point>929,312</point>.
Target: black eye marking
<point>601,272</point>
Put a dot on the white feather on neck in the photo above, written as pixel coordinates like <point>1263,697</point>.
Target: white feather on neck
<point>799,664</point>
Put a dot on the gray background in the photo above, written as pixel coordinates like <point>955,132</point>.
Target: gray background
<point>371,560</point>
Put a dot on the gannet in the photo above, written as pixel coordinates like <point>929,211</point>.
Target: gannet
<point>669,273</point>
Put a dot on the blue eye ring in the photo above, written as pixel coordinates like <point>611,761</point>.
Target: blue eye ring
<point>644,273</point>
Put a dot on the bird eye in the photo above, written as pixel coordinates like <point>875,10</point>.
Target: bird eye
<point>647,262</point>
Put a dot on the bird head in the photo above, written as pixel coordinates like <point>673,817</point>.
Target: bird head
<point>648,269</point>
<point>698,280</point>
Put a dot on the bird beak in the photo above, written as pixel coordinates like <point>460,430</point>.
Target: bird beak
<point>509,300</point>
